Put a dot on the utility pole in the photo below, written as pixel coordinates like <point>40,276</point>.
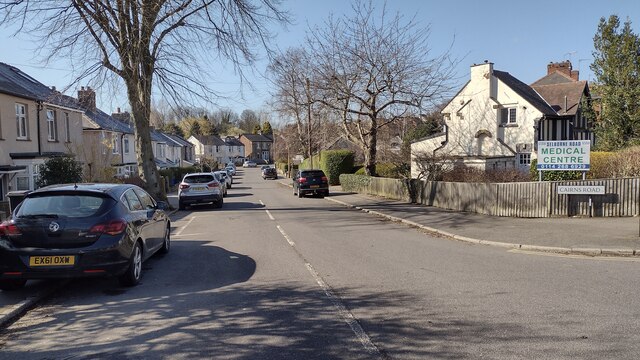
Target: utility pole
<point>309,122</point>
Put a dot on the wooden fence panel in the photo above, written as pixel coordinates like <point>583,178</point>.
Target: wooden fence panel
<point>529,199</point>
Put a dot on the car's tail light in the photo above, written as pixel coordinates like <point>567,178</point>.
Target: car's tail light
<point>184,186</point>
<point>302,180</point>
<point>113,227</point>
<point>9,228</point>
<point>213,184</point>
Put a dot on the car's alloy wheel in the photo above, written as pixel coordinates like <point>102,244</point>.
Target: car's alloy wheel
<point>133,274</point>
<point>12,284</point>
<point>166,246</point>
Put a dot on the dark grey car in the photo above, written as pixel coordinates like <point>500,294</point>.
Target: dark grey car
<point>81,230</point>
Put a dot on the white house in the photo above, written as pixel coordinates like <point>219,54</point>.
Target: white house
<point>209,147</point>
<point>495,120</point>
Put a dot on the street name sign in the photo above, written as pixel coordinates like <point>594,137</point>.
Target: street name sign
<point>580,190</point>
<point>564,155</point>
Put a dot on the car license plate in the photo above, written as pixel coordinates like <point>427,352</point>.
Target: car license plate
<point>63,260</point>
<point>199,188</point>
<point>315,186</point>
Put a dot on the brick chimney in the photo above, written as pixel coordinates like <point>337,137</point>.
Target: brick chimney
<point>87,98</point>
<point>565,68</point>
<point>122,116</point>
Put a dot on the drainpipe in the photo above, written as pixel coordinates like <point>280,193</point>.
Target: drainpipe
<point>446,139</point>
<point>39,109</point>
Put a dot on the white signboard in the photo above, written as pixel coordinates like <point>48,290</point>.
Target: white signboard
<point>564,155</point>
<point>580,190</point>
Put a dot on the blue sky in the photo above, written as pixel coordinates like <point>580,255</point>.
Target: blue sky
<point>520,37</point>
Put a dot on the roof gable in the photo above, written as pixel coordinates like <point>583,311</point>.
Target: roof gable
<point>525,91</point>
<point>564,98</point>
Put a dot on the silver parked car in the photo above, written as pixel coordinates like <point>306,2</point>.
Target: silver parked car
<point>200,188</point>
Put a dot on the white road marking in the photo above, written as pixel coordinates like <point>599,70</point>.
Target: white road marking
<point>268,213</point>
<point>270,216</point>
<point>187,235</point>
<point>286,237</point>
<point>346,315</point>
<point>343,312</point>
<point>179,232</point>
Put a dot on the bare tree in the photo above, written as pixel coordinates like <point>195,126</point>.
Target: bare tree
<point>139,41</point>
<point>374,70</point>
<point>294,97</point>
<point>248,120</point>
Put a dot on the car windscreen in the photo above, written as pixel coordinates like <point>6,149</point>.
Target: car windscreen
<point>318,173</point>
<point>67,205</point>
<point>199,179</point>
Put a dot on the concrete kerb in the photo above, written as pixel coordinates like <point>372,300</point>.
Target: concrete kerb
<point>10,313</point>
<point>537,248</point>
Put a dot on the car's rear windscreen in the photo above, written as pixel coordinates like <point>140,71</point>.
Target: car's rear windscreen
<point>199,179</point>
<point>65,205</point>
<point>318,173</point>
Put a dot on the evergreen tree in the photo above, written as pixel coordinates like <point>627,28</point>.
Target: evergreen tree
<point>173,129</point>
<point>256,129</point>
<point>266,128</point>
<point>616,67</point>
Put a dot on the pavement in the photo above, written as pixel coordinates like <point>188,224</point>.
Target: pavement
<point>572,236</point>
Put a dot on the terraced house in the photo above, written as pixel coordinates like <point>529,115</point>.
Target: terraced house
<point>112,152</point>
<point>36,123</point>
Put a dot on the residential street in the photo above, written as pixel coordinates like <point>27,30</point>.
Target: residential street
<point>272,276</point>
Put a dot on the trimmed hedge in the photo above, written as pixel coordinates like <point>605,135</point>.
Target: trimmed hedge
<point>333,163</point>
<point>354,183</point>
<point>386,170</point>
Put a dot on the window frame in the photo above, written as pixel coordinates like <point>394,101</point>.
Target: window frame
<point>52,126</point>
<point>125,144</point>
<point>115,146</point>
<point>22,123</point>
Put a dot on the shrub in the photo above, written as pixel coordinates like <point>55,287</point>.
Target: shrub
<point>627,162</point>
<point>354,183</point>
<point>336,162</point>
<point>60,170</point>
<point>175,175</point>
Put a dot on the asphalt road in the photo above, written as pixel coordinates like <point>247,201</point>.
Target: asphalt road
<point>271,276</point>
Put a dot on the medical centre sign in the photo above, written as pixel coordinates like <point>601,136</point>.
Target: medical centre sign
<point>564,155</point>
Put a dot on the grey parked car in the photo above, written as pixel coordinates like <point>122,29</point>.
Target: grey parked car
<point>200,188</point>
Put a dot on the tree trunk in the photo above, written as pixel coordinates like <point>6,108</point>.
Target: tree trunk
<point>371,153</point>
<point>140,101</point>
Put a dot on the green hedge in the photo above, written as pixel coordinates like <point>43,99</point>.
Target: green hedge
<point>387,170</point>
<point>333,163</point>
<point>354,183</point>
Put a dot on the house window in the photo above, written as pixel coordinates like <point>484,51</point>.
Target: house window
<point>21,121</point>
<point>52,129</point>
<point>217,148</point>
<point>524,159</point>
<point>22,183</point>
<point>126,144</point>
<point>229,148</point>
<point>67,128</point>
<point>103,138</point>
<point>115,149</point>
<point>160,151</point>
<point>35,173</point>
<point>508,116</point>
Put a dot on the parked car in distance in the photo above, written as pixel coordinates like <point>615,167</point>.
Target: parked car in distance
<point>82,230</point>
<point>249,164</point>
<point>224,176</point>
<point>222,181</point>
<point>231,169</point>
<point>310,181</point>
<point>200,188</point>
<point>270,173</point>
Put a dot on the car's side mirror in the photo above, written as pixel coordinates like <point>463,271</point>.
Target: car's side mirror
<point>163,205</point>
